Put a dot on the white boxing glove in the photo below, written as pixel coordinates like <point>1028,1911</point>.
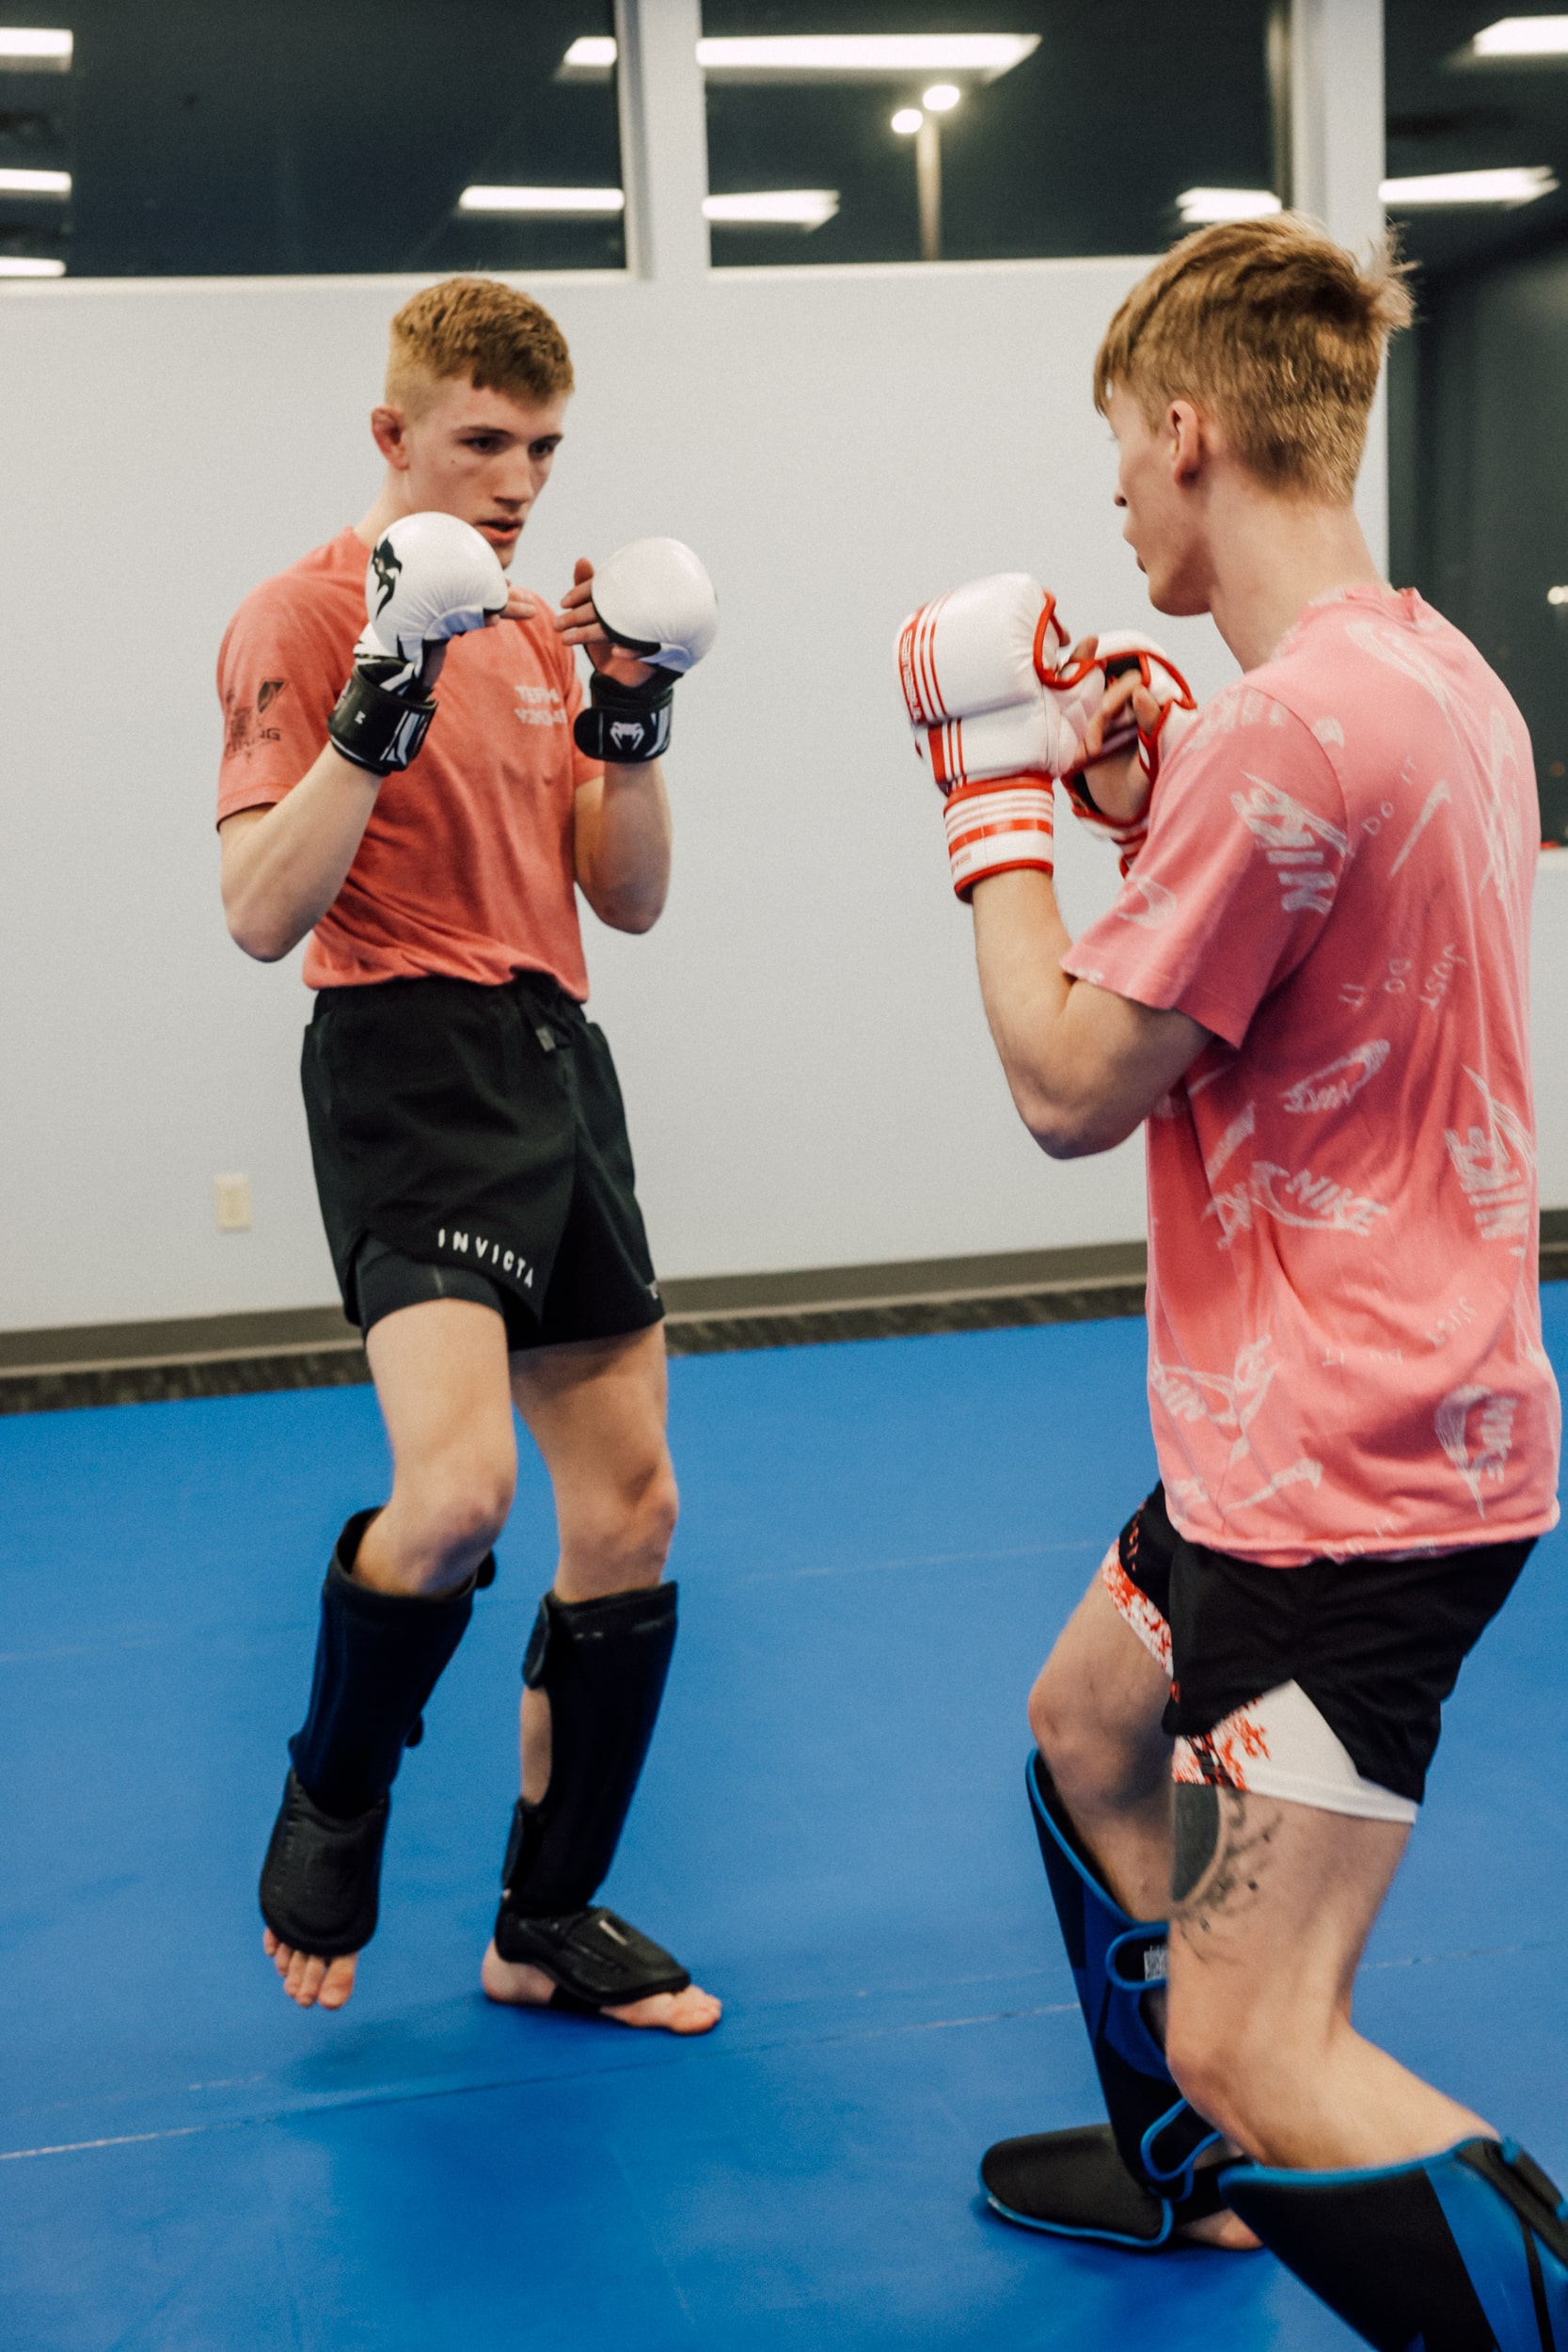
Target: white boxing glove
<point>655,599</point>
<point>431,577</point>
<point>990,643</point>
<point>1126,652</point>
<point>997,710</point>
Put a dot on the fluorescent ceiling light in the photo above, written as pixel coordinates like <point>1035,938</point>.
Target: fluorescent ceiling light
<point>14,182</point>
<point>1523,36</point>
<point>561,203</point>
<point>858,54</point>
<point>1515,184</point>
<point>590,54</point>
<point>23,265</point>
<point>831,57</point>
<point>1202,207</point>
<point>24,45</point>
<point>774,208</point>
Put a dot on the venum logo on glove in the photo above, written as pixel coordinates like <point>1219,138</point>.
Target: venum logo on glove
<point>386,565</point>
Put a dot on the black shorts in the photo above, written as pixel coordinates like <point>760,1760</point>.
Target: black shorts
<point>1323,1683</point>
<point>477,1131</point>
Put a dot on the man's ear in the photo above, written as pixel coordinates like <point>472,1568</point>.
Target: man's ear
<point>390,430</point>
<point>1185,439</point>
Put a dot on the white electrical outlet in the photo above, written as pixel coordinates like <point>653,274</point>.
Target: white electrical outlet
<point>232,1201</point>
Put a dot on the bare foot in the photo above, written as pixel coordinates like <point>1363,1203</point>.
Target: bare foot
<point>1226,2230</point>
<point>313,1982</point>
<point>513,1981</point>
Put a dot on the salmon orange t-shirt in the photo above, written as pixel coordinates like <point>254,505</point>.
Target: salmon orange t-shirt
<point>466,866</point>
<point>1344,1323</point>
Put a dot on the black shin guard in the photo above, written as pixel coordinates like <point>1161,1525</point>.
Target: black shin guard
<point>378,1658</point>
<point>1462,2251</point>
<point>602,1666</point>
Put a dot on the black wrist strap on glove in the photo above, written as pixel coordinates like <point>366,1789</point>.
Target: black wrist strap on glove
<point>625,723</point>
<point>377,729</point>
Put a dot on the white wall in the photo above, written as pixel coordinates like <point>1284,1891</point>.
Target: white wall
<point>808,1073</point>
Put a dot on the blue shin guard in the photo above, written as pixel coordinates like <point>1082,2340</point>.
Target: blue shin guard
<point>1465,2251</point>
<point>1045,2181</point>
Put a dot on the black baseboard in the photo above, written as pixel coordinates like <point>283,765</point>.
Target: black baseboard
<point>313,1347</point>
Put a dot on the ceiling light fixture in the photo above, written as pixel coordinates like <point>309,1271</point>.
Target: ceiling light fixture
<point>829,56</point>
<point>1513,184</point>
<point>941,98</point>
<point>1557,596</point>
<point>774,208</point>
<point>23,265</point>
<point>1200,208</point>
<point>557,203</point>
<point>16,183</point>
<point>24,46</point>
<point>907,122</point>
<point>1522,37</point>
<point>588,56</point>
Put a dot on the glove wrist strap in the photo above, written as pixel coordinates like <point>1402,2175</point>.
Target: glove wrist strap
<point>1007,821</point>
<point>375,729</point>
<point>627,725</point>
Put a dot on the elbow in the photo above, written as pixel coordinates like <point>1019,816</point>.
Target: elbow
<point>1067,1130</point>
<point>1062,1138</point>
<point>262,942</point>
<point>626,912</point>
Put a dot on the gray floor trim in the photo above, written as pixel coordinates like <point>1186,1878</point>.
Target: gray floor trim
<point>311,1347</point>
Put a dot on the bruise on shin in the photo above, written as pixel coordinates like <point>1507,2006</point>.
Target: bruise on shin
<point>1221,1852</point>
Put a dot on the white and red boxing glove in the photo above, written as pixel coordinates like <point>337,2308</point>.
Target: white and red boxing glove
<point>431,577</point>
<point>1128,654</point>
<point>998,710</point>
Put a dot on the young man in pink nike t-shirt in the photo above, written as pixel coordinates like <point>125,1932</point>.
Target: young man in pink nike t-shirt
<point>1312,986</point>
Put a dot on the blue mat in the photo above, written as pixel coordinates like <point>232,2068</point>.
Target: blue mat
<point>879,1544</point>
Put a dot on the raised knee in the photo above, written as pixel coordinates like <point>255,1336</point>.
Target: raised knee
<point>458,1515</point>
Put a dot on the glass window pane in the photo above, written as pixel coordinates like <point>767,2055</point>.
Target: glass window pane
<point>1478,425</point>
<point>203,137</point>
<point>1084,146</point>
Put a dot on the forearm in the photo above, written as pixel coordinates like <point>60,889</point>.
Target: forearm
<point>1086,1066</point>
<point>1019,939</point>
<point>283,866</point>
<point>623,846</point>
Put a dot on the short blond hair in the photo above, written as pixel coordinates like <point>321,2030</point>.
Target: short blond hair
<point>1274,330</point>
<point>492,336</point>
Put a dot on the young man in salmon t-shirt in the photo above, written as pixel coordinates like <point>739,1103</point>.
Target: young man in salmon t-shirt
<point>1312,986</point>
<point>466,1125</point>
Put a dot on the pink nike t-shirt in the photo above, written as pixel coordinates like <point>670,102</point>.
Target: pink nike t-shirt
<point>1344,1320</point>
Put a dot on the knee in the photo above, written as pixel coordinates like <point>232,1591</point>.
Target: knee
<point>620,1537</point>
<point>647,1510</point>
<point>453,1514</point>
<point>1072,1743</point>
